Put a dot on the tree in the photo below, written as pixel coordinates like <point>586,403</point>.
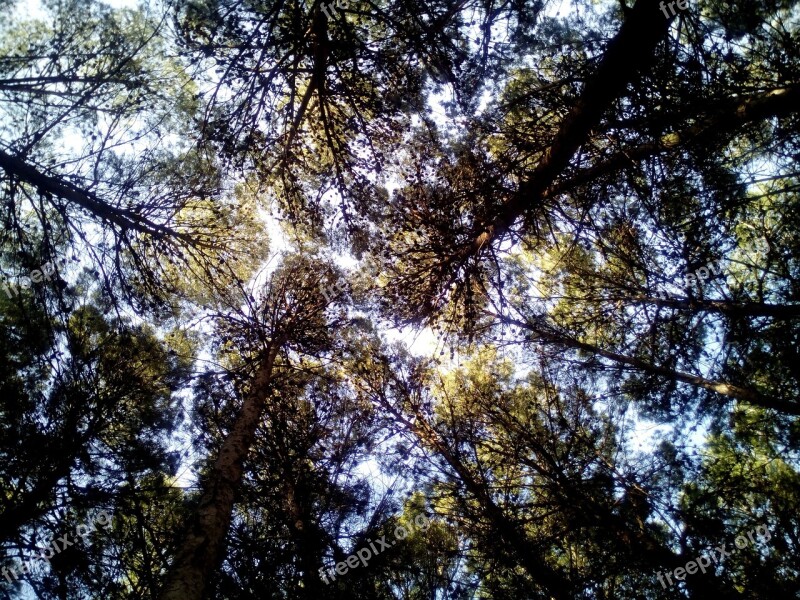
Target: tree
<point>290,316</point>
<point>594,211</point>
<point>91,397</point>
<point>93,168</point>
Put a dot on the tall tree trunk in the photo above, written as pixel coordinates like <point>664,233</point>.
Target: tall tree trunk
<point>202,548</point>
<point>629,52</point>
<point>307,536</point>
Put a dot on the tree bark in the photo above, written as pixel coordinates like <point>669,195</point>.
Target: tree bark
<point>202,549</point>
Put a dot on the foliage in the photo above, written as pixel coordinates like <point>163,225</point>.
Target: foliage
<point>593,207</point>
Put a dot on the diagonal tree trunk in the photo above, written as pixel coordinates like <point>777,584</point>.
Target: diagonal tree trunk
<point>725,117</point>
<point>200,554</point>
<point>126,220</point>
<point>522,549</point>
<point>628,53</point>
<point>588,511</point>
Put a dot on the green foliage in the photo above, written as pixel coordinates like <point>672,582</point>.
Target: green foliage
<point>592,207</point>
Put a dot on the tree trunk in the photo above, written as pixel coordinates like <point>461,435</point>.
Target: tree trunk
<point>307,536</point>
<point>124,219</point>
<point>627,54</point>
<point>725,117</point>
<point>202,549</point>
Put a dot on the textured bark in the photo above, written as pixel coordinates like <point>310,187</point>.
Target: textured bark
<point>201,552</point>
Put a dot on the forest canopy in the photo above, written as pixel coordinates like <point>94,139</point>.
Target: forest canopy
<point>399,300</point>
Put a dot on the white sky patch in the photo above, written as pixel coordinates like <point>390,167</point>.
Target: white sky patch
<point>121,3</point>
<point>33,9</point>
<point>420,342</point>
<point>646,434</point>
<point>182,442</point>
<point>28,9</point>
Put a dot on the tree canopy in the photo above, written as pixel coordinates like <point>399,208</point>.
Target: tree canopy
<point>397,300</point>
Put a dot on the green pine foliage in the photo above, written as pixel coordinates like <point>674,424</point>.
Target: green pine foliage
<point>505,294</point>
